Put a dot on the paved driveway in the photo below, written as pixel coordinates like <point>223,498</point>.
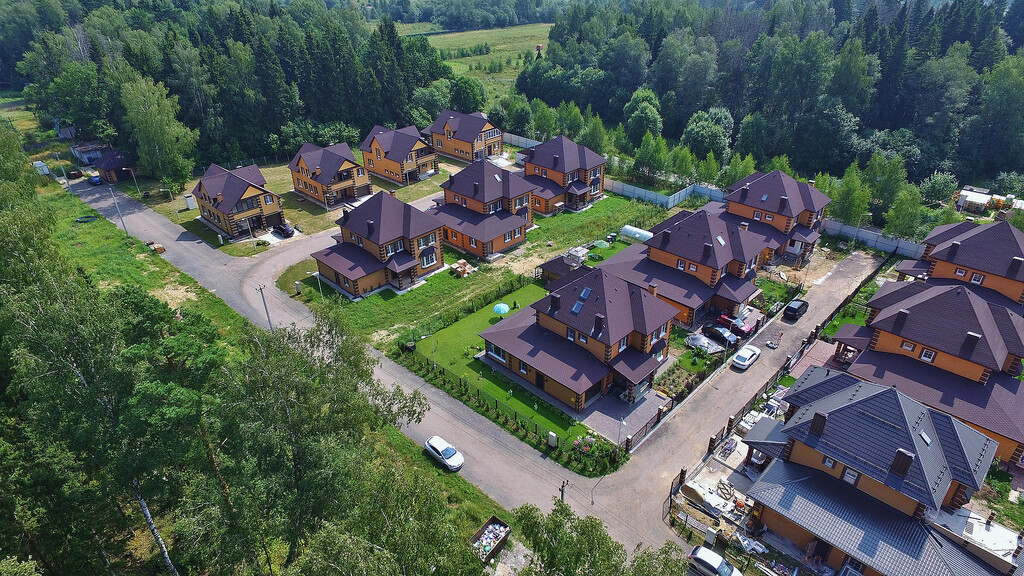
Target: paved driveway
<point>630,501</point>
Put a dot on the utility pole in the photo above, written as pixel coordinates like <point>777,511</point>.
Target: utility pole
<point>111,190</point>
<point>319,285</point>
<point>130,169</point>
<point>265,308</point>
<point>61,164</point>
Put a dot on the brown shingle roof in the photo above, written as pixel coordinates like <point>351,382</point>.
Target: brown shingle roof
<point>766,192</point>
<point>396,144</point>
<point>991,248</point>
<point>114,160</point>
<point>624,307</point>
<point>464,126</point>
<point>482,227</point>
<point>563,155</point>
<point>486,182</point>
<point>348,260</point>
<point>230,184</point>
<point>329,160</point>
<point>708,239</point>
<point>391,219</point>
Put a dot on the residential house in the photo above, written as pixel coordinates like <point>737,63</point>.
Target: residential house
<point>89,152</point>
<point>987,256</point>
<point>115,166</point>
<point>592,332</point>
<point>949,348</point>
<point>791,207</point>
<point>383,242</point>
<point>236,202</point>
<point>328,175</point>
<point>466,137</point>
<point>567,175</point>
<point>867,481</point>
<point>486,209</point>
<point>699,260</point>
<point>400,156</point>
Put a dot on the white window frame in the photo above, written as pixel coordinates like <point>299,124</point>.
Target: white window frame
<point>544,172</point>
<point>661,355</point>
<point>692,267</point>
<point>359,240</point>
<point>536,170</point>
<point>623,343</point>
<point>850,476</point>
<point>757,215</point>
<point>570,334</point>
<point>517,232</point>
<point>508,236</point>
<point>500,354</point>
<point>523,367</point>
<point>572,176</point>
<point>929,353</point>
<point>345,280</point>
<point>377,150</point>
<point>960,272</point>
<point>268,199</point>
<point>681,265</point>
<point>595,173</point>
<point>359,172</point>
<point>977,278</point>
<point>428,260</point>
<point>421,243</point>
<point>456,199</point>
<point>537,202</point>
<point>829,462</point>
<point>371,162</point>
<point>768,217</point>
<point>582,337</point>
<point>908,345</point>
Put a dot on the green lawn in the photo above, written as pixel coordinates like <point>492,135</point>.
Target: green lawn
<point>455,346</point>
<point>598,254</point>
<point>1010,514</point>
<point>505,43</point>
<point>787,381</point>
<point>570,229</point>
<point>852,314</point>
<point>101,250</point>
<point>385,315</point>
<point>677,341</point>
<point>414,28</point>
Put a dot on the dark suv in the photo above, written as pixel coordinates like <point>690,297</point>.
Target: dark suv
<point>720,334</point>
<point>795,309</point>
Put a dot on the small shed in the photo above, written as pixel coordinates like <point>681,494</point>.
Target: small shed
<point>115,166</point>
<point>973,201</point>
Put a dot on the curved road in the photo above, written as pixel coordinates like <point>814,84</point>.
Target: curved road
<point>629,501</point>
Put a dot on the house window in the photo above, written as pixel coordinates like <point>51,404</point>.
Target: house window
<point>623,343</point>
<point>661,355</point>
<point>493,207</point>
<point>850,476</point>
<point>472,242</point>
<point>345,280</point>
<point>448,134</point>
<point>455,236</point>
<point>495,351</point>
<point>768,217</point>
<point>508,236</point>
<point>536,202</point>
<point>421,243</point>
<point>927,355</point>
<point>463,202</point>
<point>456,197</point>
<point>523,367</point>
<point>595,173</point>
<point>352,236</point>
<point>692,267</point>
<point>961,272</point>
<point>359,171</point>
<point>377,150</point>
<point>396,246</point>
<point>829,463</point>
<point>572,177</point>
<point>757,215</point>
<point>977,278</point>
<point>582,337</point>
<point>536,170</point>
<point>428,260</point>
<point>908,345</point>
<point>492,133</point>
<point>408,158</point>
<point>570,334</point>
<point>359,240</point>
<point>371,162</point>
<point>544,173</point>
<point>681,265</point>
<point>594,188</point>
<point>517,232</point>
<point>662,330</point>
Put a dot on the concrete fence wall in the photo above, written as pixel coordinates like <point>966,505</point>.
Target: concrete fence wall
<point>645,195</point>
<point>516,140</point>
<point>874,239</point>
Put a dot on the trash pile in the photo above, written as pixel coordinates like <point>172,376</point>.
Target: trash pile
<point>493,533</point>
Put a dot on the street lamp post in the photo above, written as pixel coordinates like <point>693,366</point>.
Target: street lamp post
<point>266,309</point>
<point>130,169</point>
<point>433,349</point>
<point>111,190</point>
<point>318,284</point>
<point>61,164</point>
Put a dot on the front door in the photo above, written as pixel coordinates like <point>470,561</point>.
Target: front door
<point>540,379</point>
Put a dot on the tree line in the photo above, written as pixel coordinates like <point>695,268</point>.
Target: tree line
<point>218,81</point>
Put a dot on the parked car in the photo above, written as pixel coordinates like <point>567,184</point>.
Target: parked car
<point>444,453</point>
<point>74,173</point>
<point>734,324</point>
<point>95,180</point>
<point>746,356</point>
<point>795,309</point>
<point>707,562</point>
<point>720,334</point>
<point>284,230</point>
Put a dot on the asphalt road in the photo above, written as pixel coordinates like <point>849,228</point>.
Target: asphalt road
<point>630,502</point>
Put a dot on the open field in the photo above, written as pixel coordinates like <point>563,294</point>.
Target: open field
<point>505,43</point>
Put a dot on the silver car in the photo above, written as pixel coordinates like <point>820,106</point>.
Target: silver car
<point>444,453</point>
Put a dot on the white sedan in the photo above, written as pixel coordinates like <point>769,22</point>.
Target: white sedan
<point>746,356</point>
<point>444,453</point>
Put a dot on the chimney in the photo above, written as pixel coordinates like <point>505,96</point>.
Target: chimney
<point>818,423</point>
<point>653,288</point>
<point>220,198</point>
<point>901,463</point>
<point>707,249</point>
<point>556,160</point>
<point>476,188</point>
<point>369,227</point>
<point>744,225</point>
<point>317,171</point>
<point>392,192</point>
<point>1015,266</point>
<point>810,182</point>
<point>666,237</point>
<point>783,203</point>
<point>556,303</point>
<point>598,324</point>
<point>744,191</point>
<point>970,343</point>
<point>901,319</point>
<point>344,215</point>
<point>953,249</point>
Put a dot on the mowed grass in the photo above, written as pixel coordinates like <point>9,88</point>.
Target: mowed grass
<point>384,315</point>
<point>505,43</point>
<point>570,229</point>
<point>99,248</point>
<point>455,347</point>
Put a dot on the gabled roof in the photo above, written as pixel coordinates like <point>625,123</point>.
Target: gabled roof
<point>230,185</point>
<point>482,227</point>
<point>705,238</point>
<point>349,260</point>
<point>817,383</point>
<point>486,182</point>
<point>766,192</point>
<point>563,155</point>
<point>548,353</point>
<point>625,307</point>
<point>464,126</point>
<point>329,160</point>
<point>396,144</point>
<point>866,424</point>
<point>990,247</point>
<point>383,218</point>
<point>870,531</point>
<point>952,319</point>
<point>114,160</point>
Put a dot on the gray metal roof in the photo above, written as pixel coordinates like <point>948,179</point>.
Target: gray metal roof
<point>767,436</point>
<point>868,530</point>
<point>817,383</point>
